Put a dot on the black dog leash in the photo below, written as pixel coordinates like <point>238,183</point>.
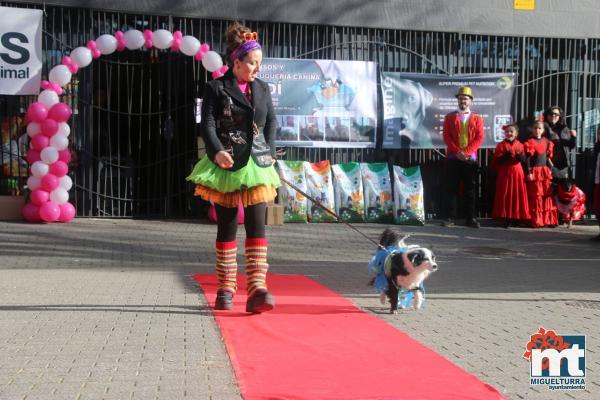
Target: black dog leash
<point>330,212</point>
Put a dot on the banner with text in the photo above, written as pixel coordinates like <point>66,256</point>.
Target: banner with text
<point>414,106</point>
<point>20,50</point>
<point>323,103</point>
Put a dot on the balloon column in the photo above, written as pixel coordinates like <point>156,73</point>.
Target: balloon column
<point>49,154</point>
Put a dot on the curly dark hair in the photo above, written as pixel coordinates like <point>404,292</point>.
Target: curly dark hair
<point>233,38</point>
<point>389,237</point>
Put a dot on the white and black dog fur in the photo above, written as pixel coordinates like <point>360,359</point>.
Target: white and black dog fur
<point>406,270</point>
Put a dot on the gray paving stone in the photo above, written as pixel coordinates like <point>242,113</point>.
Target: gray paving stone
<point>107,309</point>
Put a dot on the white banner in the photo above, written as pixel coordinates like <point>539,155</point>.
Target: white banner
<point>20,50</point>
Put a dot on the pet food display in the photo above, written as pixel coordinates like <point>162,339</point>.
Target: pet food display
<point>295,204</point>
<point>348,189</point>
<point>378,192</point>
<point>320,187</point>
<point>408,196</point>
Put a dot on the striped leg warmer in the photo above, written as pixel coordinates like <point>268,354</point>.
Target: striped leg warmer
<point>227,265</point>
<point>256,264</point>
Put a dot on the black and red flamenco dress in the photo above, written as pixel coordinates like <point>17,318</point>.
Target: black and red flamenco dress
<point>539,183</point>
<point>510,199</point>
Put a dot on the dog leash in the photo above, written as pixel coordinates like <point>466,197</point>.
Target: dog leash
<point>332,213</point>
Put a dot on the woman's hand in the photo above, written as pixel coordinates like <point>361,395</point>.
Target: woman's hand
<point>223,159</point>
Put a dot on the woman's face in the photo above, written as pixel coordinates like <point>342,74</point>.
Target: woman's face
<point>554,116</point>
<point>246,69</point>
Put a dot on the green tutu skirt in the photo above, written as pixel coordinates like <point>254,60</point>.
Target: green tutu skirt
<point>248,185</point>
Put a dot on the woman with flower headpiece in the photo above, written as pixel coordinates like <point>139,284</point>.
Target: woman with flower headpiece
<point>238,126</point>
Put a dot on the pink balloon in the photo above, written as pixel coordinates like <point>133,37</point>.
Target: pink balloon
<point>212,214</point>
<point>59,168</point>
<point>31,213</point>
<point>37,112</point>
<point>49,212</point>
<point>39,197</point>
<point>60,112</point>
<point>39,142</point>
<point>241,215</point>
<point>49,182</point>
<point>33,155</point>
<point>67,212</point>
<point>64,155</point>
<point>49,127</point>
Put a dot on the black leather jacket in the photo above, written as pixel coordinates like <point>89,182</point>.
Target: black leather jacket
<point>231,123</point>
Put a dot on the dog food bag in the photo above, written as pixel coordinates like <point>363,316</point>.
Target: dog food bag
<point>348,189</point>
<point>320,187</point>
<point>378,192</point>
<point>294,203</point>
<point>409,206</point>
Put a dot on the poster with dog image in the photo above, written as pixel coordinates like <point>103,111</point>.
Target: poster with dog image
<point>323,103</point>
<point>377,188</point>
<point>320,187</point>
<point>295,204</point>
<point>409,206</point>
<point>348,189</point>
<point>414,106</point>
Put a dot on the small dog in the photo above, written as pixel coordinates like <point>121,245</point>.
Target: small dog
<point>401,270</point>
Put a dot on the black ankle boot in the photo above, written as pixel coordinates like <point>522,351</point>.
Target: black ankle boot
<point>224,300</point>
<point>260,301</point>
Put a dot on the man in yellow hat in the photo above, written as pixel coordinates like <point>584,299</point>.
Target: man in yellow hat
<point>463,135</point>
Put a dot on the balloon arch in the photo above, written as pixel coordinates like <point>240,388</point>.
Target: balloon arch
<point>47,126</point>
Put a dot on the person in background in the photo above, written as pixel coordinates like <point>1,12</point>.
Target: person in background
<point>596,204</point>
<point>238,126</point>
<point>510,199</point>
<point>463,135</point>
<point>539,150</point>
<point>563,138</point>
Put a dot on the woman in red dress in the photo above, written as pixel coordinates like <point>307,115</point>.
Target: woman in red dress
<point>539,150</point>
<point>510,199</point>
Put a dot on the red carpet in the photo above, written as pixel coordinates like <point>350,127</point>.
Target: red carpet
<point>316,345</point>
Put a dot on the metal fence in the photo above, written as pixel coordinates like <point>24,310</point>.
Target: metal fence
<point>134,131</point>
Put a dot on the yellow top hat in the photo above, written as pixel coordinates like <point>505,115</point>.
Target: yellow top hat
<point>465,91</point>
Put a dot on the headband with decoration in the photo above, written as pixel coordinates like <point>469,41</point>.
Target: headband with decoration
<point>250,43</point>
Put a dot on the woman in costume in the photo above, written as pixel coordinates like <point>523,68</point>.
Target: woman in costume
<point>238,126</point>
<point>539,151</point>
<point>510,199</point>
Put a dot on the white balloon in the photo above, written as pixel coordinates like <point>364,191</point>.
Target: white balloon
<point>64,129</point>
<point>162,39</point>
<point>59,142</point>
<point>49,155</point>
<point>59,196</point>
<point>212,61</point>
<point>134,39</point>
<point>33,182</point>
<point>39,169</point>
<point>65,182</point>
<point>107,44</point>
<point>48,97</point>
<point>33,128</point>
<point>189,45</point>
<point>82,56</point>
<point>60,74</point>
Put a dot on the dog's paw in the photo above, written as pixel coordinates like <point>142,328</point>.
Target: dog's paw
<point>394,312</point>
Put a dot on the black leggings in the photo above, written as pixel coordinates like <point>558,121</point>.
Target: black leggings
<point>227,222</point>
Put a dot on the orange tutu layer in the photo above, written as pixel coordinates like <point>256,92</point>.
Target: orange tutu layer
<point>248,197</point>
